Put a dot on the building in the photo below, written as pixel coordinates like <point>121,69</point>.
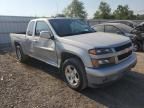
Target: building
<point>11,24</point>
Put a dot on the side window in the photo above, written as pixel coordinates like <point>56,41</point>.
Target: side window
<point>30,28</point>
<point>111,29</point>
<point>41,26</point>
<point>99,28</point>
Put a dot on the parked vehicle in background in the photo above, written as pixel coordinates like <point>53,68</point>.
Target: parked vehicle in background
<point>126,22</point>
<point>142,23</point>
<point>85,57</point>
<point>140,27</point>
<point>122,29</point>
<point>139,31</point>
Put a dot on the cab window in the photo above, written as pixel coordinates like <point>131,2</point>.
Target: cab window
<point>41,26</point>
<point>30,28</point>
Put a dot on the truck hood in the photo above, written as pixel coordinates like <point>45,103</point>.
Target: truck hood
<point>98,40</point>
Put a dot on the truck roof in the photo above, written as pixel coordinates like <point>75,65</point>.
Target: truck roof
<point>53,18</point>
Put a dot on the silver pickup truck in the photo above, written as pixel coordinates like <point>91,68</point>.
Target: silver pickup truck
<point>85,57</point>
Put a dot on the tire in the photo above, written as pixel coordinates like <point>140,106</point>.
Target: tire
<point>136,47</point>
<point>21,57</point>
<point>139,47</point>
<point>74,74</point>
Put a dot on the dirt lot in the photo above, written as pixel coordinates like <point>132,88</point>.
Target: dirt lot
<point>37,85</point>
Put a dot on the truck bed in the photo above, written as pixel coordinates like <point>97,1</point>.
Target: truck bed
<point>16,37</point>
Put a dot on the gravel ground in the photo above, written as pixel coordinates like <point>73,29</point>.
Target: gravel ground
<point>38,85</point>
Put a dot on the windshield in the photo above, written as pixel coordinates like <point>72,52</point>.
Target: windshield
<point>69,27</point>
<point>125,28</point>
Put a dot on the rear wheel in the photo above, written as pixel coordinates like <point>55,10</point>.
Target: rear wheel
<point>74,74</point>
<point>20,55</point>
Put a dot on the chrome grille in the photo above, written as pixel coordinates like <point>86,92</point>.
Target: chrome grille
<point>126,51</point>
<point>120,48</point>
<point>123,56</point>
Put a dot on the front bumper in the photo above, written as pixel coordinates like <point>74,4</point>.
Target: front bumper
<point>108,74</point>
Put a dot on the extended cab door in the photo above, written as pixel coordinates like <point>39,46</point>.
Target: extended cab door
<point>29,37</point>
<point>44,49</point>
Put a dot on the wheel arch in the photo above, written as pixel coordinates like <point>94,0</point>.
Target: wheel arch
<point>16,43</point>
<point>67,55</point>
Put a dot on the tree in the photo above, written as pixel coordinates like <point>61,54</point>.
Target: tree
<point>123,12</point>
<point>104,11</point>
<point>75,9</point>
<point>140,17</point>
<point>60,15</point>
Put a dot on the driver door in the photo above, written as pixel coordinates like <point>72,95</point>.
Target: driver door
<point>44,49</point>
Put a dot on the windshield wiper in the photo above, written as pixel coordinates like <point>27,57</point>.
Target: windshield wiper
<point>84,32</point>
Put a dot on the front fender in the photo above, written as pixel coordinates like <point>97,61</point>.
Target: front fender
<point>77,51</point>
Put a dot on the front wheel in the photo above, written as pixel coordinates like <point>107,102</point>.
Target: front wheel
<point>74,74</point>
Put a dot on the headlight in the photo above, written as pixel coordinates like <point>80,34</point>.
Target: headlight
<point>100,51</point>
<point>103,62</point>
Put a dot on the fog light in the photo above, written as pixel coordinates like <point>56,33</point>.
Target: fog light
<point>104,61</point>
<point>95,63</point>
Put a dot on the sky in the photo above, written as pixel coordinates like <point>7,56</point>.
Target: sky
<point>52,7</point>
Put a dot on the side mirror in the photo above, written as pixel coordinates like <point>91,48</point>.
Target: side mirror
<point>45,34</point>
